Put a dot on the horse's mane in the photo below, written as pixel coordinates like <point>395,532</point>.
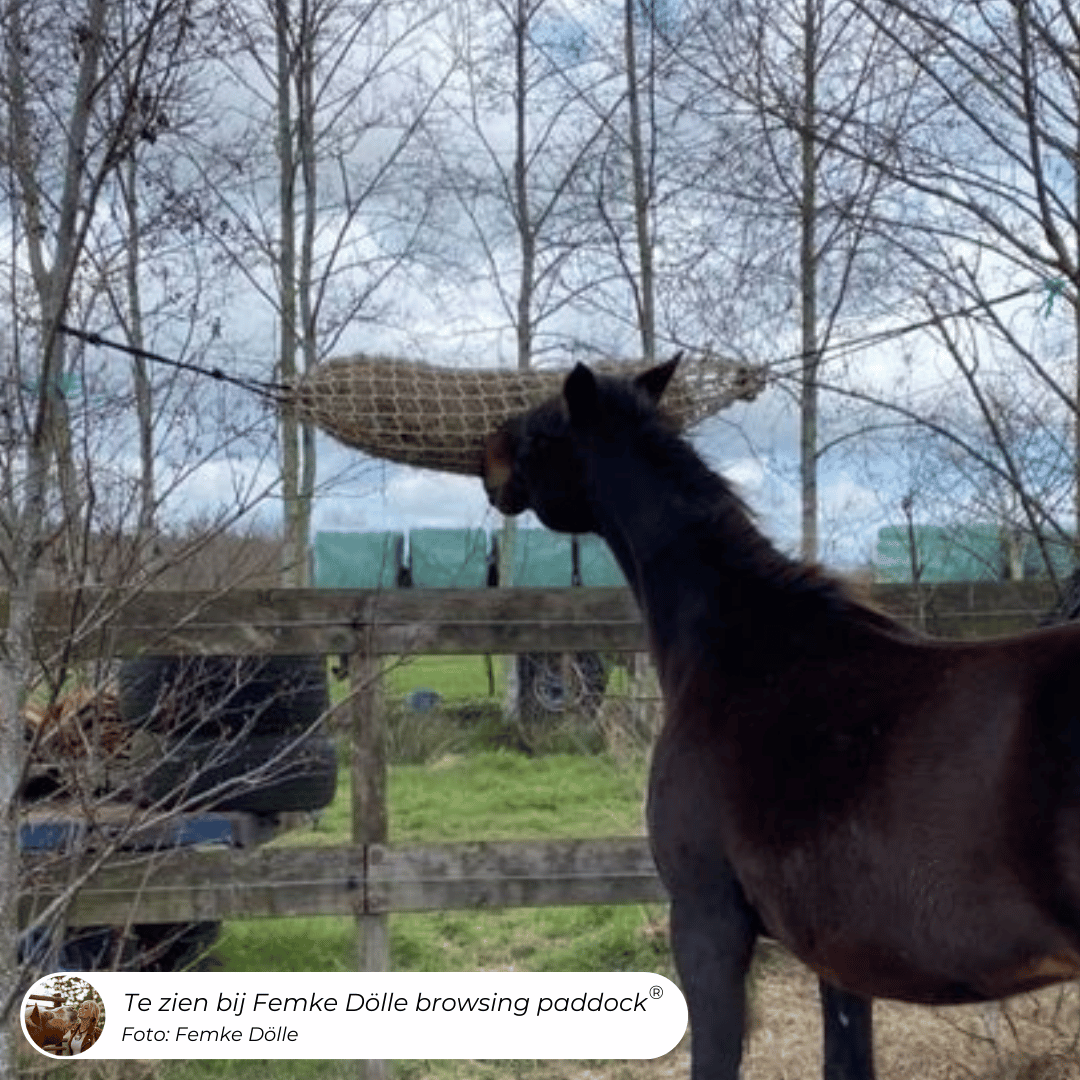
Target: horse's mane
<point>728,533</point>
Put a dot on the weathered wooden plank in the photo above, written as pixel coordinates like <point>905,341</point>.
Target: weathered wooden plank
<point>195,885</point>
<point>369,810</point>
<point>397,622</point>
<point>184,885</point>
<point>411,621</point>
<point>969,609</point>
<point>512,874</point>
<point>369,816</point>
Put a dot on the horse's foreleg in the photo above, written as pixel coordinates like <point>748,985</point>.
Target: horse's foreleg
<point>847,1020</point>
<point>713,940</point>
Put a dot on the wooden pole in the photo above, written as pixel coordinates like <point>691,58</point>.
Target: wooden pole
<point>369,817</point>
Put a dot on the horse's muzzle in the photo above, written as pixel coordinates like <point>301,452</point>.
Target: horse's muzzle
<point>498,474</point>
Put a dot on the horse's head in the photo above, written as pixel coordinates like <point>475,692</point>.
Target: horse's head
<point>49,1025</point>
<point>541,460</point>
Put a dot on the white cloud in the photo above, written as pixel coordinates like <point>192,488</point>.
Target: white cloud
<point>221,486</point>
<point>409,498</point>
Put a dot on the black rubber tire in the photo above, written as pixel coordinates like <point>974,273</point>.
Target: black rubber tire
<point>271,695</point>
<point>304,780</point>
<point>222,717</point>
<point>147,947</point>
<point>545,693</point>
<point>172,946</point>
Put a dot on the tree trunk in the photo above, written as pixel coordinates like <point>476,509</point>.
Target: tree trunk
<point>808,258</point>
<point>522,209</point>
<point>13,670</point>
<point>642,189</point>
<point>306,138</point>
<point>140,375</point>
<point>305,110</point>
<point>48,440</point>
<point>292,557</point>
<point>1076,351</point>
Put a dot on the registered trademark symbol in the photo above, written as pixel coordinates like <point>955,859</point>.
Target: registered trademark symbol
<point>656,991</point>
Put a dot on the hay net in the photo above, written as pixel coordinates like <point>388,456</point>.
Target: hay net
<point>438,417</point>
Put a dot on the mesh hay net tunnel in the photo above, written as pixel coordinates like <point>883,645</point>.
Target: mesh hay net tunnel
<point>438,417</point>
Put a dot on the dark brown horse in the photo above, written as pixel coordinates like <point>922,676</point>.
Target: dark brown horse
<point>903,814</point>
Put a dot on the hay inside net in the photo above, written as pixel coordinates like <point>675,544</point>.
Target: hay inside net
<point>438,417</point>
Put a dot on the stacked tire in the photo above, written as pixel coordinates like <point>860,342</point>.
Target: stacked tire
<point>237,733</point>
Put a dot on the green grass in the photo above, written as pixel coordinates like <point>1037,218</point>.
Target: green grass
<point>455,678</point>
<point>492,796</point>
<point>258,1070</point>
<point>462,678</point>
<point>508,796</point>
<point>469,716</point>
<point>496,795</point>
<point>625,937</point>
<point>584,938</point>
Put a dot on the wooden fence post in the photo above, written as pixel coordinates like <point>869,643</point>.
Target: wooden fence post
<point>369,815</point>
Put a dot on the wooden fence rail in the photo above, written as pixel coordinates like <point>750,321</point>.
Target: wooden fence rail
<point>340,622</point>
<point>371,879</point>
<point>94,624</point>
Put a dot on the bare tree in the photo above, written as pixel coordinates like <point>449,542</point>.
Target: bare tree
<point>64,139</point>
<point>518,144</point>
<point>628,174</point>
<point>794,80</point>
<point>88,92</point>
<point>345,87</point>
<point>991,201</point>
<point>641,170</point>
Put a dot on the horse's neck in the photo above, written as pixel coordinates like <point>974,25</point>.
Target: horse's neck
<point>690,553</point>
<point>715,590</point>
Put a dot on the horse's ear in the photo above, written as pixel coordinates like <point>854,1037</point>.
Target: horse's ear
<point>582,396</point>
<point>655,380</point>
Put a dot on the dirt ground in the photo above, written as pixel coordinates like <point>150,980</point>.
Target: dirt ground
<point>1034,1037</point>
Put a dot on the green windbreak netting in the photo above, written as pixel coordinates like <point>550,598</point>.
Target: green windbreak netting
<point>448,558</point>
<point>597,564</point>
<point>458,559</point>
<point>348,560</point>
<point>980,551</point>
<point>545,560</point>
<point>542,559</point>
